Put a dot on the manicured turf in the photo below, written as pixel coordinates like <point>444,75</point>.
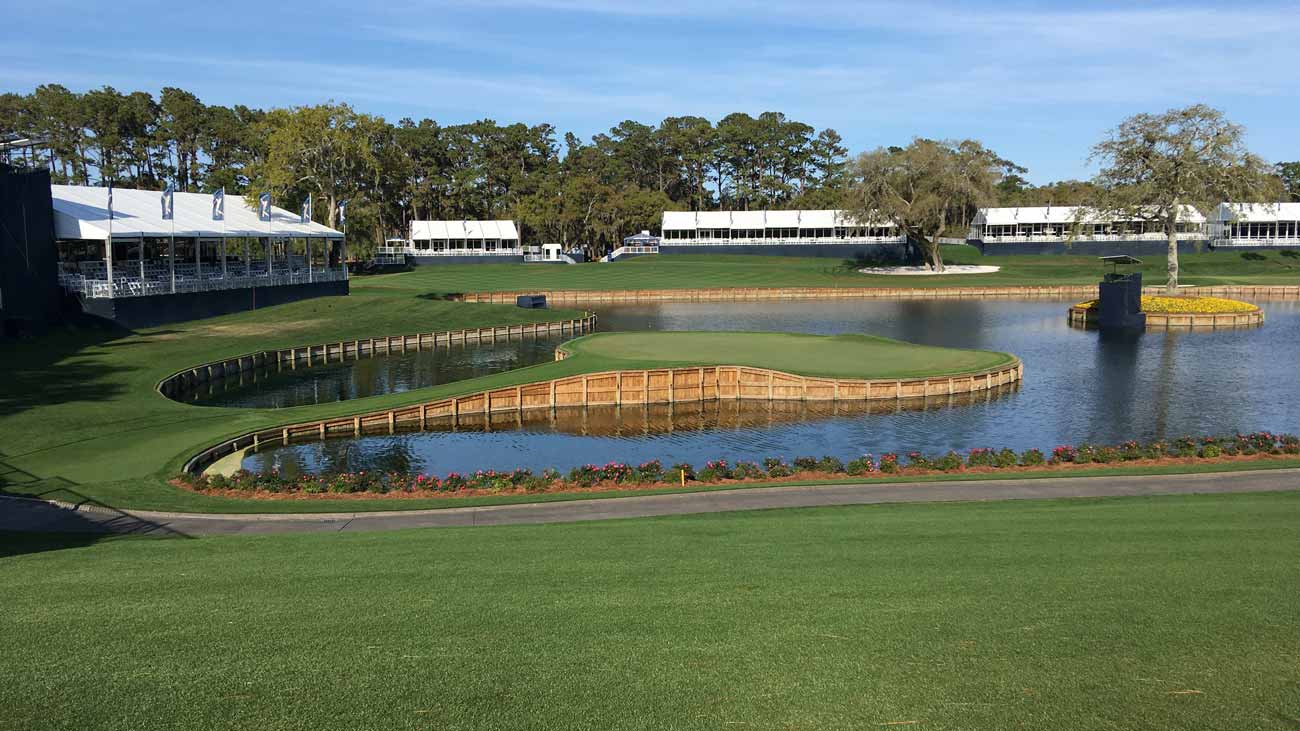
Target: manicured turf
<point>1125,613</point>
<point>81,419</point>
<point>80,416</point>
<point>841,356</point>
<point>685,272</point>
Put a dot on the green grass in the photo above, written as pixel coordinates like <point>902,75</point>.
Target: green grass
<point>81,417</point>
<point>79,413</point>
<point>837,356</point>
<point>1122,613</point>
<point>687,272</point>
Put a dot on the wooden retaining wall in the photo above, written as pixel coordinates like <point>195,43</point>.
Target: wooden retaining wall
<point>187,380</point>
<point>734,294</point>
<point>615,388</point>
<point>1080,317</point>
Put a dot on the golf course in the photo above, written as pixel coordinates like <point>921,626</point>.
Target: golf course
<point>1171,611</point>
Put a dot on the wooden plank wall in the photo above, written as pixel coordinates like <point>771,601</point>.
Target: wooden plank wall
<point>804,293</point>
<point>615,388</point>
<point>186,380</point>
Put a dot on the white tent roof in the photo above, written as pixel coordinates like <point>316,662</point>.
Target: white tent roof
<point>463,230</point>
<point>81,212</point>
<point>689,220</point>
<point>1257,212</point>
<point>1056,214</point>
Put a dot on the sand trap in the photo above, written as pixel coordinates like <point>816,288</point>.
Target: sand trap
<point>927,271</point>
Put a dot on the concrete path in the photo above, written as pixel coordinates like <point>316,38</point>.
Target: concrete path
<point>27,515</point>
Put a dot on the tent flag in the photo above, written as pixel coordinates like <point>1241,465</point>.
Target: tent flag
<point>264,207</point>
<point>110,201</point>
<point>343,212</point>
<point>306,210</point>
<point>168,200</point>
<point>219,204</point>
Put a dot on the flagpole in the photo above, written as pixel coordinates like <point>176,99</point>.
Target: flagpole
<point>108,246</point>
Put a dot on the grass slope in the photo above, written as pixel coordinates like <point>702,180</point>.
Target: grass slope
<point>687,272</point>
<point>79,415</point>
<point>843,356</point>
<point>1123,613</point>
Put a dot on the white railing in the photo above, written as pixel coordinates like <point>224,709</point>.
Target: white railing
<point>451,252</point>
<point>783,242</point>
<point>1054,238</point>
<point>133,286</point>
<point>1279,241</point>
<point>626,250</point>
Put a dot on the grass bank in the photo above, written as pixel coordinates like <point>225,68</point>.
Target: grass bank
<point>79,414</point>
<point>687,272</point>
<point>1132,613</point>
<point>839,356</point>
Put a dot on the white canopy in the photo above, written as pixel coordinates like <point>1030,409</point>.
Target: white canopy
<point>1057,215</point>
<point>1257,212</point>
<point>463,230</point>
<point>81,212</point>
<point>691,220</point>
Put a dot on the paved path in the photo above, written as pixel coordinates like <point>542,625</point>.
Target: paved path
<point>17,514</point>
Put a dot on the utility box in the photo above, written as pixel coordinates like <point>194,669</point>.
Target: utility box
<point>531,301</point>
<point>1119,301</point>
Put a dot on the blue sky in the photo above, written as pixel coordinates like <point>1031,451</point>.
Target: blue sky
<point>1038,82</point>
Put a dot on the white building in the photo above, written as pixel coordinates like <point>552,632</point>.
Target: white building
<point>139,253</point>
<point>1255,225</point>
<point>716,230</point>
<point>1057,229</point>
<point>450,241</point>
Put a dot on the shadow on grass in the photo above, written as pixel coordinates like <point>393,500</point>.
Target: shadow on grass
<point>54,369</point>
<point>30,522</point>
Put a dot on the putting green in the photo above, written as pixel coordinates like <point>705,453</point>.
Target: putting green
<point>836,356</point>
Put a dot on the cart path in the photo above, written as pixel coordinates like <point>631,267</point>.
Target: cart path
<point>30,515</point>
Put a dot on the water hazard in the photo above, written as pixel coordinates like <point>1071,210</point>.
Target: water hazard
<point>1079,386</point>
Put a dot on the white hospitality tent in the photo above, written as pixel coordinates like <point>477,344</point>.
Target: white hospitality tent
<point>1257,224</point>
<point>1055,220</point>
<point>828,223</point>
<point>81,219</point>
<point>445,236</point>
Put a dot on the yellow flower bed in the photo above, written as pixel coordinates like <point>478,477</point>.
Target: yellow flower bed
<point>1184,305</point>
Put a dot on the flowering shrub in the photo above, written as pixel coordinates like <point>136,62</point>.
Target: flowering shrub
<point>805,464</point>
<point>948,462</point>
<point>585,476</point>
<point>1184,305</point>
<point>715,470</point>
<point>615,472</point>
<point>863,465</point>
<point>889,462</point>
<point>830,465</point>
<point>777,467</point>
<point>589,475</point>
<point>1031,458</point>
<point>980,458</point>
<point>652,471</point>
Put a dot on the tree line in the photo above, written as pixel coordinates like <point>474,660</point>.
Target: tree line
<point>582,193</point>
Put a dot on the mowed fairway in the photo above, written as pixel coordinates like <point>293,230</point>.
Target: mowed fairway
<point>1125,613</point>
<point>845,356</point>
<point>696,271</point>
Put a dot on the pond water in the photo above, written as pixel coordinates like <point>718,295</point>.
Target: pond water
<point>1079,386</point>
<point>279,386</point>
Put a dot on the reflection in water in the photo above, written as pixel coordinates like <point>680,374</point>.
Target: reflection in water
<point>278,386</point>
<point>1080,385</point>
<point>698,421</point>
